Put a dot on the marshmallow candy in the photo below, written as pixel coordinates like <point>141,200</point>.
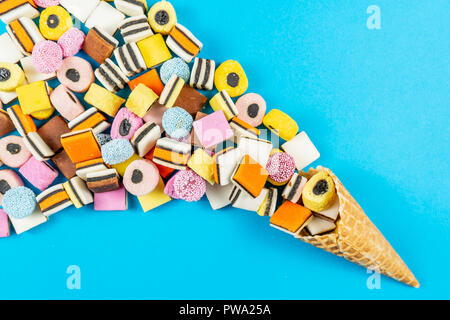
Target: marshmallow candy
<point>116,200</point>
<point>76,74</point>
<point>251,108</point>
<point>141,177</point>
<point>218,196</point>
<point>319,226</point>
<point>212,129</point>
<point>39,173</point>
<point>66,103</point>
<point>10,52</point>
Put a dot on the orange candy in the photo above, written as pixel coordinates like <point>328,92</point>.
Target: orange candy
<point>151,79</point>
<point>291,217</point>
<point>24,123</point>
<point>81,146</point>
<point>163,171</point>
<point>250,176</point>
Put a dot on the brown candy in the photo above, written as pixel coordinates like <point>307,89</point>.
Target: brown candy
<point>190,100</point>
<point>52,131</point>
<point>6,125</point>
<point>99,45</point>
<point>64,164</point>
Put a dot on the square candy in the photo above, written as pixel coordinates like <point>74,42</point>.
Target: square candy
<point>203,165</point>
<point>258,149</point>
<point>151,79</point>
<point>52,131</point>
<point>250,176</point>
<point>302,150</point>
<point>291,218</point>
<point>105,17</point>
<point>4,224</point>
<point>64,164</point>
<point>154,50</point>
<point>213,129</point>
<point>30,222</point>
<point>81,146</point>
<point>111,201</point>
<point>81,9</point>
<point>39,173</point>
<point>9,52</point>
<point>219,196</point>
<point>104,100</point>
<point>155,198</point>
<point>34,97</point>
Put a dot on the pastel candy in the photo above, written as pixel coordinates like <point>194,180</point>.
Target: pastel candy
<point>105,17</point>
<point>47,56</point>
<point>4,224</point>
<point>319,226</point>
<point>281,124</point>
<point>294,188</point>
<point>71,42</point>
<point>258,149</point>
<point>242,200</point>
<point>162,17</point>
<point>174,66</point>
<point>218,196</point>
<point>76,74</point>
<point>66,103</point>
<point>39,173</point>
<point>177,122</point>
<point>125,124</point>
<point>155,114</point>
<point>13,9</point>
<point>37,146</point>
<point>222,101</point>
<point>212,129</point>
<point>11,76</point>
<point>131,7</point>
<point>104,100</point>
<point>141,100</point>
<point>115,200</point>
<point>8,180</point>
<point>154,50</point>
<point>25,224</point>
<point>81,9</point>
<point>46,3</point>
<point>25,34</point>
<point>251,108</point>
<point>302,150</point>
<point>10,52</point>
<point>281,167</point>
<point>141,177</point>
<point>32,74</point>
<point>189,186</point>
<point>13,151</point>
<point>19,202</point>
<point>155,198</point>
<point>117,151</point>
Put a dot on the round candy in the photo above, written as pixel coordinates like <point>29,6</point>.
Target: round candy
<point>174,66</point>
<point>319,192</point>
<point>125,124</point>
<point>251,108</point>
<point>19,202</point>
<point>141,177</point>
<point>231,77</point>
<point>13,152</point>
<point>168,189</point>
<point>76,74</point>
<point>8,180</point>
<point>177,122</point>
<point>189,186</point>
<point>117,151</point>
<point>281,168</point>
<point>47,56</point>
<point>11,76</point>
<point>46,3</point>
<point>54,22</point>
<point>162,17</point>
<point>71,42</point>
<point>103,138</point>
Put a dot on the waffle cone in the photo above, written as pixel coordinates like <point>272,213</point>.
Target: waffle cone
<point>358,240</point>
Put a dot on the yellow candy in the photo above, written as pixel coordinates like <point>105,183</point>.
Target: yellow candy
<point>140,100</point>
<point>11,76</point>
<point>43,115</point>
<point>231,77</point>
<point>281,124</point>
<point>222,101</point>
<point>162,17</point>
<point>319,192</point>
<point>122,167</point>
<point>154,50</point>
<point>33,98</point>
<point>203,165</point>
<point>103,100</point>
<point>54,22</point>
<point>155,198</point>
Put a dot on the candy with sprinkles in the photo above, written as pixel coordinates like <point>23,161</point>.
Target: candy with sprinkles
<point>116,200</point>
<point>171,91</point>
<point>281,167</point>
<point>150,79</point>
<point>13,151</point>
<point>189,186</point>
<point>258,149</point>
<point>66,103</point>
<point>218,196</point>
<point>174,66</point>
<point>183,43</point>
<point>154,50</point>
<point>242,200</point>
<point>13,9</point>
<point>99,45</point>
<point>54,22</point>
<point>141,177</point>
<point>281,124</point>
<point>302,150</point>
<point>46,3</point>
<point>71,42</point>
<point>172,153</point>
<point>130,59</point>
<point>6,125</point>
<point>34,97</point>
<point>230,76</point>
<point>81,9</point>
<point>319,193</point>
<point>144,139</point>
<point>37,146</point>
<point>11,76</point>
<point>117,151</point>
<point>76,74</point>
<point>32,74</point>
<point>8,180</point>
<point>291,218</point>
<point>202,164</point>
<point>141,100</point>
<point>251,108</point>
<point>85,167</point>
<point>131,7</point>
<point>47,56</point>
<point>103,181</point>
<point>78,192</point>
<point>177,122</point>
<point>134,29</point>
<point>4,224</point>
<point>25,34</point>
<point>319,226</point>
<point>249,176</point>
<point>125,124</point>
<point>10,52</point>
<point>202,75</point>
<point>53,200</point>
<point>64,164</point>
<point>19,202</point>
<point>222,101</point>
<point>105,17</point>
<point>212,129</point>
<point>162,17</point>
<point>24,123</point>
<point>103,138</point>
<point>225,163</point>
<point>243,129</point>
<point>52,131</point>
<point>81,146</point>
<point>104,100</point>
<point>293,190</point>
<point>269,204</point>
<point>111,77</point>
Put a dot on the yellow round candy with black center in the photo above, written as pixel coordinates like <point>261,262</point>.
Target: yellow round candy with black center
<point>11,76</point>
<point>319,192</point>
<point>162,17</point>
<point>230,76</point>
<point>54,22</point>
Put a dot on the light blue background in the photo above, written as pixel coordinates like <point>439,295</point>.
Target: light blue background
<point>376,104</point>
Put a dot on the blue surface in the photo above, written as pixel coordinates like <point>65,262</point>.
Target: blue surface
<point>376,104</point>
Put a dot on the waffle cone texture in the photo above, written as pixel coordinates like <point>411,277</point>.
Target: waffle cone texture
<point>358,240</point>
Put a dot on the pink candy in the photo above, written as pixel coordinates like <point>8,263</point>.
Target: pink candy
<point>71,42</point>
<point>40,174</point>
<point>47,56</point>
<point>46,3</point>
<point>186,185</point>
<point>281,167</point>
<point>125,124</point>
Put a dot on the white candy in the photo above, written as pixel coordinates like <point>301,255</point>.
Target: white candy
<point>135,28</point>
<point>21,10</point>
<point>25,224</point>
<point>106,17</point>
<point>258,149</point>
<point>131,8</point>
<point>302,150</point>
<point>9,51</point>
<point>8,97</point>
<point>81,9</point>
<point>319,226</point>
<point>242,200</point>
<point>226,164</point>
<point>331,213</point>
<point>32,74</point>
<point>218,196</point>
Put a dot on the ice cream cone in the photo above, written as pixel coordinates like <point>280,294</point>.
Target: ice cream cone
<point>358,240</point>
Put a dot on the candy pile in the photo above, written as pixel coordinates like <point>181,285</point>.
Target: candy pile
<point>158,144</point>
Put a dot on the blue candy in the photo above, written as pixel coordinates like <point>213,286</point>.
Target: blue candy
<point>117,151</point>
<point>19,202</point>
<point>177,122</point>
<point>174,66</point>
